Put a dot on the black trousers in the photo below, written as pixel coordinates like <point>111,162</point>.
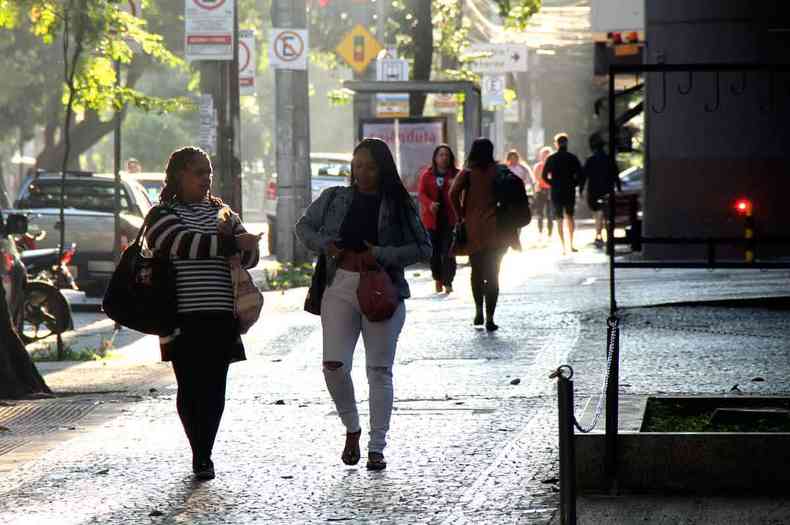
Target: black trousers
<point>485,279</point>
<point>443,265</point>
<point>200,362</point>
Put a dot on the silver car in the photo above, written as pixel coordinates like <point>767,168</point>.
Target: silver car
<point>89,219</point>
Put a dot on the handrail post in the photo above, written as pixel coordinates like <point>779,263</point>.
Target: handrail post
<point>567,451</point>
<point>610,225</point>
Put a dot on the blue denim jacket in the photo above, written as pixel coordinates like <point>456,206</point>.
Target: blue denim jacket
<point>401,242</point>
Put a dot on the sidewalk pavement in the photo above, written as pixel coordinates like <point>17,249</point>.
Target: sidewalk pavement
<point>469,445</point>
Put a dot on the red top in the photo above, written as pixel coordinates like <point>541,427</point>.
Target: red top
<point>538,174</point>
<point>429,192</point>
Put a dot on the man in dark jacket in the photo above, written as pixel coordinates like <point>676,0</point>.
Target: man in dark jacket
<point>600,177</point>
<point>563,171</point>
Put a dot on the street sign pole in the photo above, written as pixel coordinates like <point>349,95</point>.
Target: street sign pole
<point>220,79</point>
<point>292,124</point>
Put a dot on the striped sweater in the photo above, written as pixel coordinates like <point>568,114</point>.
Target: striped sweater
<point>188,233</point>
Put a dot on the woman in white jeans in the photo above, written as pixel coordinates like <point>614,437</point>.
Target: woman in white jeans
<point>374,221</point>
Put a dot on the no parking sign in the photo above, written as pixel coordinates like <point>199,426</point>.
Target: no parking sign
<point>247,62</point>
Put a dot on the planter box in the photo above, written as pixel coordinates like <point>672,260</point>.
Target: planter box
<point>691,462</point>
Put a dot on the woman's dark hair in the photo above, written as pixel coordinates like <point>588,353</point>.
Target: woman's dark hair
<point>452,165</point>
<point>481,155</point>
<point>179,160</point>
<point>390,184</point>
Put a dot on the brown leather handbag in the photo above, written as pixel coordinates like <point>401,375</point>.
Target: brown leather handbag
<point>378,298</point>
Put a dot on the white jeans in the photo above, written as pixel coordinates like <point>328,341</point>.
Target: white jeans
<point>342,321</point>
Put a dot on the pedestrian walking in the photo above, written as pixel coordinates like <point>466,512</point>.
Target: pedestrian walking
<point>438,216</point>
<point>133,166</point>
<point>372,222</point>
<point>185,227</point>
<point>543,207</point>
<point>600,178</point>
<point>562,172</point>
<point>472,196</point>
<point>513,161</point>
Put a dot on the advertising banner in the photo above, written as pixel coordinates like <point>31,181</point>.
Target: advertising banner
<point>411,141</point>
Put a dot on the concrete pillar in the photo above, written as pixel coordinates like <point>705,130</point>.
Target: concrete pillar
<point>701,155</point>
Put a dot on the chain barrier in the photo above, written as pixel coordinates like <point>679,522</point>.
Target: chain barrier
<point>613,324</point>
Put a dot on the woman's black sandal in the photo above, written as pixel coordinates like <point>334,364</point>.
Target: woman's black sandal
<point>376,461</point>
<point>351,452</point>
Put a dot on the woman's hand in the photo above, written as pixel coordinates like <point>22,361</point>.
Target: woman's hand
<point>333,251</point>
<point>248,241</point>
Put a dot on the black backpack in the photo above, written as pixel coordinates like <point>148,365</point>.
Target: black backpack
<point>512,202</point>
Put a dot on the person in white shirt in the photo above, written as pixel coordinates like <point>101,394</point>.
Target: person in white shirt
<point>515,165</point>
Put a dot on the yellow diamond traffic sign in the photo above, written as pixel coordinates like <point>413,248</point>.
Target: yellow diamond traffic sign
<point>358,48</point>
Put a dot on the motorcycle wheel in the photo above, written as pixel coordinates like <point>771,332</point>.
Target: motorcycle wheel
<point>45,312</point>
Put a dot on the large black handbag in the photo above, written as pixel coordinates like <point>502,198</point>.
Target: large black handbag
<point>142,291</point>
<point>312,303</point>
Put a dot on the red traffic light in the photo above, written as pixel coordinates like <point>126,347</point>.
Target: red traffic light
<point>743,206</point>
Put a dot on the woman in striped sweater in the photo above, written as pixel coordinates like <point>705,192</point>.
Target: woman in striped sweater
<point>206,339</point>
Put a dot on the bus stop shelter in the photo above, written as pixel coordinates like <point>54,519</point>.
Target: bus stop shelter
<point>472,101</point>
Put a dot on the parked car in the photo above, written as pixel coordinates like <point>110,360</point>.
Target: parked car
<point>628,201</point>
<point>326,170</point>
<point>631,180</point>
<point>89,219</point>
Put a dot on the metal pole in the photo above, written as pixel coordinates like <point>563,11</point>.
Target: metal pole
<point>610,222</point>
<point>567,451</point>
<point>234,122</point>
<point>612,398</point>
<point>292,123</point>
<point>116,137</point>
<point>116,250</point>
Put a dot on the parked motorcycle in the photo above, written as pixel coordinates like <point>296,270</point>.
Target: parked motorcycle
<point>45,310</point>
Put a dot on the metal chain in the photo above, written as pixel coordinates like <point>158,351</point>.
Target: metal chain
<point>614,325</point>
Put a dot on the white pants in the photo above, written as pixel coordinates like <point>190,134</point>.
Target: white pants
<point>342,321</point>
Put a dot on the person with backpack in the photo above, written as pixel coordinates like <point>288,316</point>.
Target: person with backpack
<point>186,227</point>
<point>372,223</point>
<point>437,214</point>
<point>473,197</point>
<point>562,172</point>
<point>600,178</point>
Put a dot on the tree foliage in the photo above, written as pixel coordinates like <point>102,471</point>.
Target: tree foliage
<point>80,39</point>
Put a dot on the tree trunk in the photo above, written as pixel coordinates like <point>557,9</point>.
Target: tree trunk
<point>423,51</point>
<point>84,134</point>
<point>18,375</point>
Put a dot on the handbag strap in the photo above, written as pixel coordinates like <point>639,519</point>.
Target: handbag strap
<point>147,221</point>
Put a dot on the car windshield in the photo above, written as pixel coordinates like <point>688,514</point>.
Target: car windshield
<point>631,175</point>
<point>152,189</point>
<point>90,194</point>
<point>323,168</point>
